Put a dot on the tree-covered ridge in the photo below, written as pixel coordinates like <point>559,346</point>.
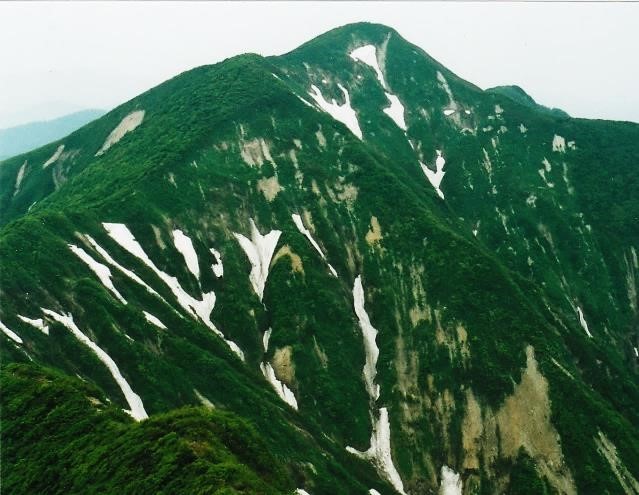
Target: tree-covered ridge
<point>476,297</point>
<point>61,435</point>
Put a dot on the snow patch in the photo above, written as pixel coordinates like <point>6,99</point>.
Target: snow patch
<point>369,333</point>
<point>582,321</point>
<point>10,333</point>
<point>266,338</point>
<point>282,390</point>
<point>435,178</point>
<point>102,271</point>
<point>107,257</point>
<point>558,144</point>
<point>395,111</point>
<point>380,451</point>
<point>185,246</point>
<point>259,250</point>
<point>135,402</point>
<point>368,55</point>
<point>128,124</point>
<point>154,320</point>
<point>308,104</point>
<point>196,308</point>
<point>297,219</point>
<point>451,483</point>
<point>203,400</point>
<point>217,267</point>
<point>54,158</point>
<point>37,323</point>
<point>343,113</point>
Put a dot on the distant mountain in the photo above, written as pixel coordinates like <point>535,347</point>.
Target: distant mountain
<point>381,278</point>
<point>517,94</point>
<point>27,137</point>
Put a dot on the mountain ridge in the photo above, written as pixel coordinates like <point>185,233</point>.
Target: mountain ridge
<point>485,282</point>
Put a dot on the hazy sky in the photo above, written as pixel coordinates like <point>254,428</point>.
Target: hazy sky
<point>63,56</point>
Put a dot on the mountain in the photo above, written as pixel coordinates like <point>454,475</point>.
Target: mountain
<point>387,280</point>
<point>26,137</point>
<point>520,96</point>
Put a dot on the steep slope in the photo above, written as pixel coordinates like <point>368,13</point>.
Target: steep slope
<point>378,264</point>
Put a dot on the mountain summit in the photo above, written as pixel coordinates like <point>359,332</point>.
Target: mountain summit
<point>343,270</point>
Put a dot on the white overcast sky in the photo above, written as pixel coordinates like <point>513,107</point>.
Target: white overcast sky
<point>60,57</point>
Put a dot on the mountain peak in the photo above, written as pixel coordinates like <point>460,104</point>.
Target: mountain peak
<point>377,265</point>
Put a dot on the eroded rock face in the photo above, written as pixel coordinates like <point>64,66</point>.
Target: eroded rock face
<point>128,124</point>
<point>283,365</point>
<point>523,421</point>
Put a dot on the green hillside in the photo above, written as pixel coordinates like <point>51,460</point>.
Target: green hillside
<point>385,279</point>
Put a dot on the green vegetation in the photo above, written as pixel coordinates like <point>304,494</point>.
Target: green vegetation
<point>455,310</point>
<point>60,435</point>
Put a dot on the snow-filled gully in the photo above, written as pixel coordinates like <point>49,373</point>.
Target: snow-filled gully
<point>435,178</point>
<point>368,55</point>
<point>10,333</point>
<point>259,250</point>
<point>285,393</point>
<point>36,323</point>
<point>101,271</point>
<point>109,259</point>
<point>379,452</point>
<point>135,402</point>
<point>343,113</point>
<point>297,220</point>
<point>184,245</point>
<point>583,322</point>
<point>196,308</point>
